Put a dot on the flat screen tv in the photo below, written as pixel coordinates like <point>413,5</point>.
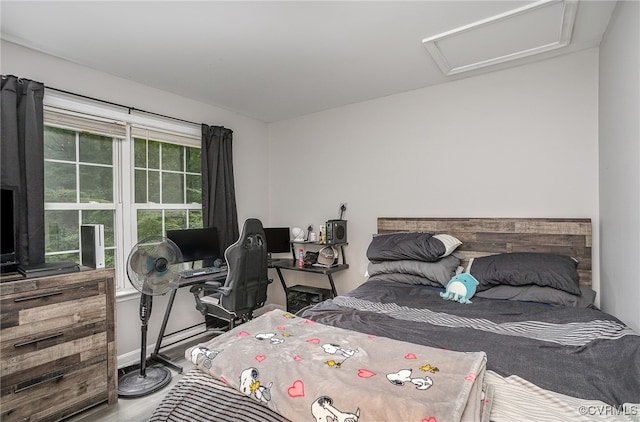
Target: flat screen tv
<point>278,240</point>
<point>197,244</point>
<point>8,226</point>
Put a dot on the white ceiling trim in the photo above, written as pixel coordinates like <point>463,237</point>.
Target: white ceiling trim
<point>442,47</point>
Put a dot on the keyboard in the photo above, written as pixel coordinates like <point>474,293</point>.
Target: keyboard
<point>196,272</point>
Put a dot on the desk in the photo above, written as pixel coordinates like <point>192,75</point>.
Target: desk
<point>184,282</point>
<point>292,265</point>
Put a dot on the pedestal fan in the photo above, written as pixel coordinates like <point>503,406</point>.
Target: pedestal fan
<point>151,268</point>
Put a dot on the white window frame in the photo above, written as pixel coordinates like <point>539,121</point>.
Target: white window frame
<point>125,221</point>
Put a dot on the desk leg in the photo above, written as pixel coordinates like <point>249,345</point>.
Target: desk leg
<point>156,352</point>
<point>333,286</point>
<point>284,286</point>
<point>281,277</point>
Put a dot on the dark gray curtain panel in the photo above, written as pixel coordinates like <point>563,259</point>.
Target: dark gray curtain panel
<point>218,189</point>
<point>22,159</point>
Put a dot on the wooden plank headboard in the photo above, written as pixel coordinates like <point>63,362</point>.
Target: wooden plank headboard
<point>488,236</point>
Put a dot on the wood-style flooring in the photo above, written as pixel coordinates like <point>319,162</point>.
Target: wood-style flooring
<point>140,409</point>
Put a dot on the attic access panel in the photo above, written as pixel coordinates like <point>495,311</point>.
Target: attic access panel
<point>532,29</point>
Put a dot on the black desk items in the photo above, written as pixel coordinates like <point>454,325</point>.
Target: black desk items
<point>294,265</point>
<point>48,268</point>
<point>300,296</point>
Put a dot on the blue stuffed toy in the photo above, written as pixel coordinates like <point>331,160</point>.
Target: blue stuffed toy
<point>460,288</point>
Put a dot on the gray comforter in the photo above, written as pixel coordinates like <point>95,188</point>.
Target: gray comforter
<point>582,353</point>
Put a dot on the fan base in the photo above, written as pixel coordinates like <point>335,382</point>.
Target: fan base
<point>133,385</point>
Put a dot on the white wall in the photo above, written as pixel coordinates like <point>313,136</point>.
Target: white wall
<point>620,164</point>
<point>516,143</point>
<point>249,149</point>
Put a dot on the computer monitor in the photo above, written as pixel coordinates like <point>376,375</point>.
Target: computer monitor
<point>8,227</point>
<point>196,244</point>
<point>278,240</point>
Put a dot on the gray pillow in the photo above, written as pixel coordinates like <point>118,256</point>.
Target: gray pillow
<point>405,246</point>
<point>533,293</point>
<point>524,268</point>
<point>406,279</point>
<point>440,271</point>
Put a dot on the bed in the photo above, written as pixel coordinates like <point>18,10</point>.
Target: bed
<point>530,346</point>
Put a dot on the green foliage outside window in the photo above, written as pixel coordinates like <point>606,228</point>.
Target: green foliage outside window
<point>80,169</point>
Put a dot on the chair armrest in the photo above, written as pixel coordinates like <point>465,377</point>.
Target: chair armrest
<point>204,289</point>
<point>212,285</point>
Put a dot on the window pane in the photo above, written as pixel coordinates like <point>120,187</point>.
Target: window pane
<point>194,165</point>
<point>195,219</point>
<point>73,257</point>
<point>140,152</point>
<point>154,155</point>
<point>96,149</point>
<point>96,184</point>
<point>154,186</point>
<point>172,157</point>
<point>104,217</point>
<point>194,189</point>
<point>176,219</point>
<point>59,144</point>
<point>110,258</point>
<point>140,186</point>
<point>149,224</point>
<point>172,188</point>
<point>61,231</point>
<point>59,182</point>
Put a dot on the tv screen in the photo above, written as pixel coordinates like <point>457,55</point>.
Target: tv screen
<point>8,226</point>
<point>196,244</point>
<point>278,240</point>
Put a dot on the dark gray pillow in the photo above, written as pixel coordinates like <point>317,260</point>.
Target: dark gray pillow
<point>406,279</point>
<point>524,268</point>
<point>405,246</point>
<point>440,271</point>
<point>549,295</point>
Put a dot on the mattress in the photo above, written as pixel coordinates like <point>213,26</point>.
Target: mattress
<point>543,362</point>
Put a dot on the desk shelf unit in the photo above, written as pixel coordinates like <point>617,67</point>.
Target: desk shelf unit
<point>299,296</point>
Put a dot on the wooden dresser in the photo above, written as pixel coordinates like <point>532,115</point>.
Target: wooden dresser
<point>58,348</point>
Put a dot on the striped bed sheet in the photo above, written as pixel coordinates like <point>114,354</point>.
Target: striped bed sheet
<point>198,397</point>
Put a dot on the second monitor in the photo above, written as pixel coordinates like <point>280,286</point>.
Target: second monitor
<point>197,244</point>
<point>278,240</point>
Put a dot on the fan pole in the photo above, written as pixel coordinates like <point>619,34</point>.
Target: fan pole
<point>140,384</point>
<point>145,312</point>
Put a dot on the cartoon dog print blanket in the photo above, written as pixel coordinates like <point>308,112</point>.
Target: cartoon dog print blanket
<point>307,371</point>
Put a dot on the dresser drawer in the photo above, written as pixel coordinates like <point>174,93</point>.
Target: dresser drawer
<point>56,395</point>
<point>43,304</point>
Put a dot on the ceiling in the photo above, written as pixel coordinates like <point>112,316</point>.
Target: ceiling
<point>276,60</point>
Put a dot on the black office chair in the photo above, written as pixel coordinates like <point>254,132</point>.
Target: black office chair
<point>245,288</point>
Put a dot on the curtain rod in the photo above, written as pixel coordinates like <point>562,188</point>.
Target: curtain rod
<point>130,109</point>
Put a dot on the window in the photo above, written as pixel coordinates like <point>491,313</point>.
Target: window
<point>167,180</point>
<point>136,181</point>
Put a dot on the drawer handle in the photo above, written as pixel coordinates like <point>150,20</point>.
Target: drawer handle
<point>52,377</point>
<point>43,295</point>
<point>25,343</point>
